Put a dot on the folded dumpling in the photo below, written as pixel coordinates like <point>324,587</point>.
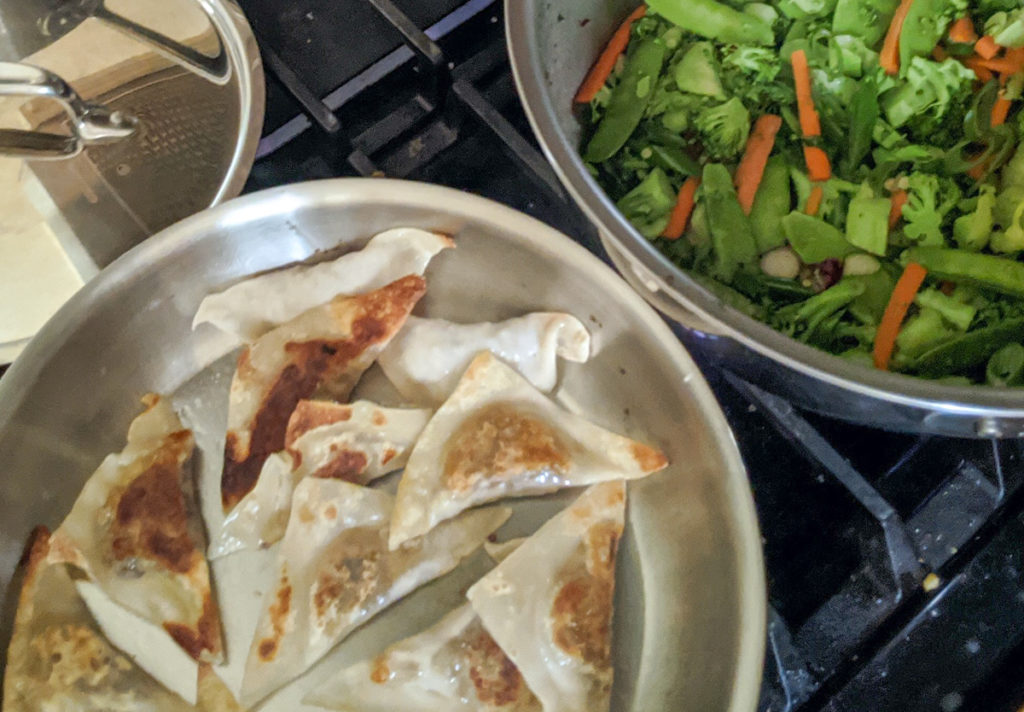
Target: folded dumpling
<point>498,436</point>
<point>335,572</point>
<point>549,604</point>
<point>253,307</point>
<point>454,666</point>
<point>355,442</point>
<point>60,661</point>
<point>428,356</point>
<point>325,348</point>
<point>136,531</point>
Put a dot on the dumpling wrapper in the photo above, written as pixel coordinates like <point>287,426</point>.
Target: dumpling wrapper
<point>59,659</point>
<point>253,307</point>
<point>356,442</point>
<point>498,436</point>
<point>136,531</point>
<point>453,666</point>
<point>427,358</point>
<point>549,604</point>
<point>335,572</point>
<point>325,348</point>
<point>500,550</point>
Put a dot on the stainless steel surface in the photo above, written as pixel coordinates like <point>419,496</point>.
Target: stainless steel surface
<point>552,44</point>
<point>90,123</point>
<point>690,620</point>
<point>198,93</point>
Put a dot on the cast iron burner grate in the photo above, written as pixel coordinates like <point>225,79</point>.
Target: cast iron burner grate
<point>894,562</point>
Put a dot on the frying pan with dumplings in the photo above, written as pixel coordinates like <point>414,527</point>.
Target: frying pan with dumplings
<point>689,620</point>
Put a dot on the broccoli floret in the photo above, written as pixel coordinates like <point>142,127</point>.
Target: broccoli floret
<point>931,93</point>
<point>756,63</point>
<point>929,200</point>
<point>1006,28</point>
<point>648,205</point>
<point>1011,239</point>
<point>724,129</point>
<point>753,74</point>
<point>921,332</point>
<point>679,111</point>
<point>972,231</point>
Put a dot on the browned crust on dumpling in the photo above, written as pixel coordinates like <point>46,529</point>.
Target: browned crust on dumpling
<point>311,414</point>
<point>581,613</point>
<point>150,523</point>
<point>500,441</point>
<point>379,316</point>
<point>380,671</point>
<point>356,567</point>
<point>495,677</point>
<point>647,458</point>
<point>347,465</point>
<point>36,550</point>
<point>202,640</point>
<point>278,612</point>
<point>150,517</point>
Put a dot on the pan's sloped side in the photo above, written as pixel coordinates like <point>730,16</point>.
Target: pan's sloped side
<point>552,44</point>
<point>690,620</point>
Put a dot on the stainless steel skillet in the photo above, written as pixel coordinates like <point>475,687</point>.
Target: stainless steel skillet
<point>552,44</point>
<point>690,619</point>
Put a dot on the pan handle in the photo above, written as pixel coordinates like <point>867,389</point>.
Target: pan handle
<point>90,123</point>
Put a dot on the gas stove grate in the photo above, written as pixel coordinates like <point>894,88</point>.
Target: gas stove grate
<point>894,561</point>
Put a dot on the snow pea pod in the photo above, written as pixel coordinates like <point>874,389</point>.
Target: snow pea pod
<point>715,21</point>
<point>771,204</point>
<point>628,101</point>
<point>997,273</point>
<point>731,233</point>
<point>968,351</point>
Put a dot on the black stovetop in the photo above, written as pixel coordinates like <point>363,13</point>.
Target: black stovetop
<point>895,563</point>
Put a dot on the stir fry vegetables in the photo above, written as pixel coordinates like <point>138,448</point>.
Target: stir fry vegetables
<point>849,171</point>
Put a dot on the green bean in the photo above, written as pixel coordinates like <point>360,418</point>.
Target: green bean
<point>968,351</point>
<point>998,273</point>
<point>628,101</point>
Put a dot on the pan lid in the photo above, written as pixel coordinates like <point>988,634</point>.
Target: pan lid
<point>117,119</point>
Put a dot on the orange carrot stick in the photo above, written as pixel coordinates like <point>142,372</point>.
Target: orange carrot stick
<point>962,31</point>
<point>683,208</point>
<point>889,327</point>
<point>939,54</point>
<point>1004,65</point>
<point>1000,110</point>
<point>982,72</point>
<point>899,199</point>
<point>810,124</point>
<point>889,58</point>
<point>605,63</point>
<point>818,166</point>
<point>987,47</point>
<point>755,157</point>
<point>814,200</point>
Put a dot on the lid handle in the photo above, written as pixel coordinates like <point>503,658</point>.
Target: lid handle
<point>90,123</point>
